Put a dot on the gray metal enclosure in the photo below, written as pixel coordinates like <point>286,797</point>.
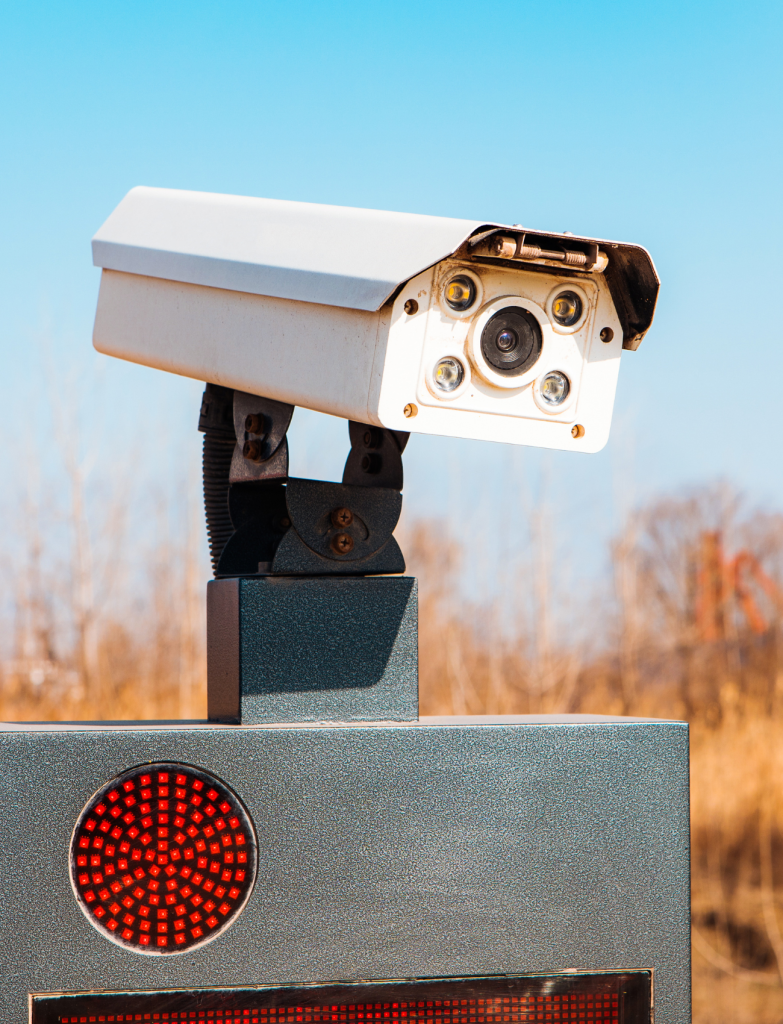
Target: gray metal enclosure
<point>437,848</point>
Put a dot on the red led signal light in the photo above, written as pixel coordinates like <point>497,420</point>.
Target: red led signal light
<point>602,998</point>
<point>163,858</point>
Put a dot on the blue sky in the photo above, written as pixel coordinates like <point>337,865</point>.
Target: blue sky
<point>652,123</point>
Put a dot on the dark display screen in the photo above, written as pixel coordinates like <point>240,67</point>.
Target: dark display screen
<point>610,998</point>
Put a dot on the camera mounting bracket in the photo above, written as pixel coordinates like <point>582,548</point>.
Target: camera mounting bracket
<point>295,630</point>
<point>261,522</point>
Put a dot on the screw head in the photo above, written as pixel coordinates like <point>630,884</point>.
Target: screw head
<point>577,430</point>
<point>411,307</point>
<point>409,410</point>
<point>372,438</point>
<point>606,335</point>
<point>371,463</point>
<point>342,517</point>
<point>342,543</point>
<point>253,450</point>
<point>254,423</point>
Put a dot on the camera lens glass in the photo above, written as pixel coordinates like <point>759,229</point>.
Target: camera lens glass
<point>460,293</point>
<point>449,374</point>
<point>555,387</point>
<point>567,308</point>
<point>511,341</point>
<point>507,340</point>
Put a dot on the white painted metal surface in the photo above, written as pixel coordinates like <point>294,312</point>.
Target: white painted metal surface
<point>334,255</point>
<point>319,357</point>
<point>370,366</point>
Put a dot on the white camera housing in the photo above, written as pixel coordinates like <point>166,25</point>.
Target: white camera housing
<point>344,311</point>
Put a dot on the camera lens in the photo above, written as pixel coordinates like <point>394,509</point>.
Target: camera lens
<point>567,308</point>
<point>511,341</point>
<point>460,293</point>
<point>449,374</point>
<point>555,387</point>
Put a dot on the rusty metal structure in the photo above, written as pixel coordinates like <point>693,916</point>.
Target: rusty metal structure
<point>723,582</point>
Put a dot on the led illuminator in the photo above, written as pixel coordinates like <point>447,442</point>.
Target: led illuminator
<point>163,858</point>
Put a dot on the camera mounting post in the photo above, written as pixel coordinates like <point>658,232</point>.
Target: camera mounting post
<point>303,616</point>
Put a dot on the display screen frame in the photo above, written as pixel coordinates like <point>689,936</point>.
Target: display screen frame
<point>634,990</point>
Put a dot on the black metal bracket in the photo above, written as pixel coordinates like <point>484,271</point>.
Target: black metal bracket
<point>261,522</point>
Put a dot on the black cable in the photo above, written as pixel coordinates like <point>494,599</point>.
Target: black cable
<point>217,424</point>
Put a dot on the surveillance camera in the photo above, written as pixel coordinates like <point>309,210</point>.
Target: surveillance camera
<point>407,322</point>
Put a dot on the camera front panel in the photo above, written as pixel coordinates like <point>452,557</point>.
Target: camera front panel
<point>503,354</point>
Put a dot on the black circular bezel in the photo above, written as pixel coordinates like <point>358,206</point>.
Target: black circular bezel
<point>460,307</point>
<point>578,304</point>
<point>199,829</point>
<point>528,348</point>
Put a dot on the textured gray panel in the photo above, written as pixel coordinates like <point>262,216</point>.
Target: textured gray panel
<point>442,848</point>
<point>223,665</point>
<point>323,649</point>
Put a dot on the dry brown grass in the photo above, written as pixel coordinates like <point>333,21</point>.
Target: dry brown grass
<point>77,653</point>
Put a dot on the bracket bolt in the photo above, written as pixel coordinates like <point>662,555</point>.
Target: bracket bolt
<point>372,438</point>
<point>253,450</point>
<point>342,517</point>
<point>254,423</point>
<point>342,543</point>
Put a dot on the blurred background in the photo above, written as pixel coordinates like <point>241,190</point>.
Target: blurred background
<point>646,580</point>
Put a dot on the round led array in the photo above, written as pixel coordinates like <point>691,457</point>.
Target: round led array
<point>163,858</point>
